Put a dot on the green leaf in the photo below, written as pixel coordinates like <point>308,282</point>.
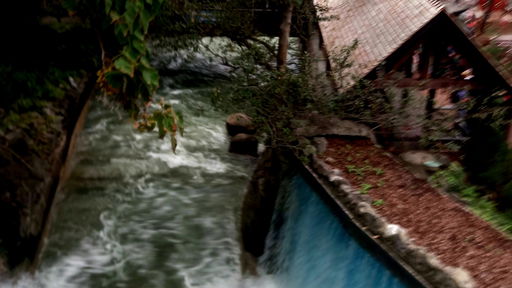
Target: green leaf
<point>115,78</point>
<point>139,5</point>
<point>167,123</point>
<point>121,29</point>
<point>378,202</point>
<point>70,5</point>
<point>145,19</point>
<point>159,123</point>
<point>114,16</point>
<point>150,77</point>
<point>108,5</point>
<point>130,14</point>
<point>139,45</point>
<point>125,66</point>
<point>145,62</point>
<point>131,54</point>
<point>138,34</point>
<point>149,2</point>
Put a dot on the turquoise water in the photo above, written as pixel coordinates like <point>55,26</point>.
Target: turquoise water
<point>309,247</point>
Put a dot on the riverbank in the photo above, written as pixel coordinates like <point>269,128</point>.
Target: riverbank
<point>33,163</point>
<point>432,219</point>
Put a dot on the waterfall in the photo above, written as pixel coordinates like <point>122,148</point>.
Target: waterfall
<point>311,246</point>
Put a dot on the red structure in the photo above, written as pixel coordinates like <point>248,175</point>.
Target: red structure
<point>498,4</point>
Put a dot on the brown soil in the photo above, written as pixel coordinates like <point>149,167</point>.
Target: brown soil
<point>433,220</point>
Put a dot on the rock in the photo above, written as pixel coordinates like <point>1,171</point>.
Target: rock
<point>320,125</point>
<point>420,163</point>
<point>417,157</point>
<point>239,123</point>
<point>462,277</point>
<point>244,144</point>
<point>320,144</point>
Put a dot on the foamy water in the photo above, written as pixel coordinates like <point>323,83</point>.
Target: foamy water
<point>136,215</point>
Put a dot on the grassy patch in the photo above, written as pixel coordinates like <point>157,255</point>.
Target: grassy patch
<point>378,202</point>
<point>453,179</point>
<point>365,187</point>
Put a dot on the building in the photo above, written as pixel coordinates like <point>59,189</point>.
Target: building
<point>416,39</point>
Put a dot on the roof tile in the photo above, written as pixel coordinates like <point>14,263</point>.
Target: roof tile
<point>379,26</point>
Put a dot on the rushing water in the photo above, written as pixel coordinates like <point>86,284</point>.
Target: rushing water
<point>136,215</point>
<point>309,246</point>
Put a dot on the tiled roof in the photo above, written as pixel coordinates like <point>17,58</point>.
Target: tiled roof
<point>380,27</point>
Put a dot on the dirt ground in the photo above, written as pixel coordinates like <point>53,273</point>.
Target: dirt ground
<point>433,220</point>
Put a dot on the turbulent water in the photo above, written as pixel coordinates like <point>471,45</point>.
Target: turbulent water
<point>135,215</point>
<point>310,247</point>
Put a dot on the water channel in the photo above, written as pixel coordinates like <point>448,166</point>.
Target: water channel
<point>135,215</point>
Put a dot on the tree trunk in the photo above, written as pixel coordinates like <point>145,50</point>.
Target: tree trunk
<point>509,136</point>
<point>284,37</point>
<point>429,107</point>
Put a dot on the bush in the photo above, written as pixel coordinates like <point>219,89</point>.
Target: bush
<point>488,160</point>
<point>453,179</point>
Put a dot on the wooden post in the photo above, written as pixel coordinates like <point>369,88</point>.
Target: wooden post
<point>429,107</point>
<point>284,37</point>
<point>408,67</point>
<point>424,63</point>
<point>509,136</point>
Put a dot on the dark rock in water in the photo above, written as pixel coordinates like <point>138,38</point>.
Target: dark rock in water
<point>244,144</point>
<point>239,123</point>
<point>258,206</point>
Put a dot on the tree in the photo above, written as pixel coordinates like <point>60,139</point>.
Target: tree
<point>284,36</point>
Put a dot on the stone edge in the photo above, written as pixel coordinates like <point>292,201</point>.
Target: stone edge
<point>393,238</point>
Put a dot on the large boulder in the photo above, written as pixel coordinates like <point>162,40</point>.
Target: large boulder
<point>320,125</point>
<point>245,144</point>
<point>239,123</point>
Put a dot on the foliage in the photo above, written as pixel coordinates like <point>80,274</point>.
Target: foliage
<point>126,72</point>
<point>76,37</point>
<point>270,97</point>
<point>165,119</point>
<point>453,180</point>
<point>360,171</point>
<point>495,51</point>
<point>378,202</point>
<point>365,187</point>
<point>488,159</point>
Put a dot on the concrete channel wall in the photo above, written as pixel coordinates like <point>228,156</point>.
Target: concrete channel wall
<point>32,187</point>
<point>63,175</point>
<point>423,265</point>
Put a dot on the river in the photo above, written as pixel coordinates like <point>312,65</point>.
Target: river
<point>133,214</point>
